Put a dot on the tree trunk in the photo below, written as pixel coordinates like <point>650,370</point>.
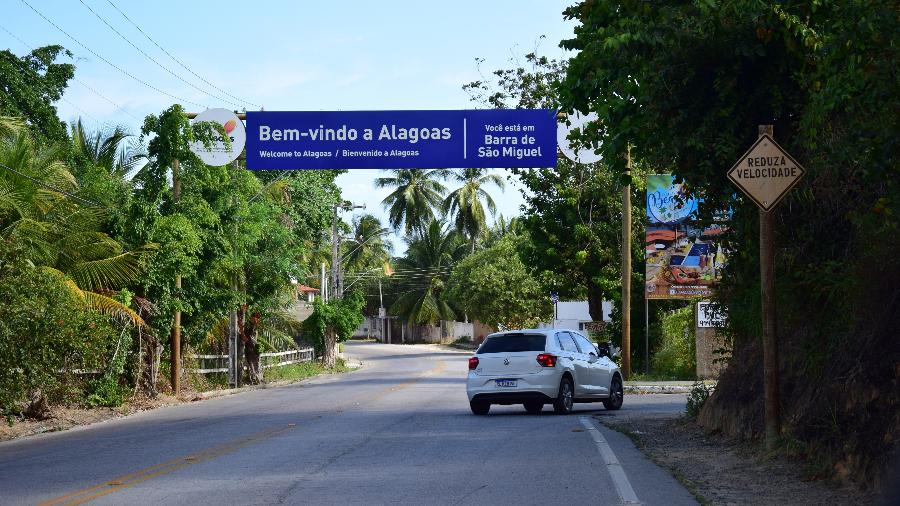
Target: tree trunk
<point>148,369</point>
<point>329,357</point>
<point>251,357</point>
<point>38,408</point>
<point>595,302</point>
<point>249,328</point>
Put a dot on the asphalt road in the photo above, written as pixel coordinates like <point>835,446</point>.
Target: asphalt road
<point>397,431</point>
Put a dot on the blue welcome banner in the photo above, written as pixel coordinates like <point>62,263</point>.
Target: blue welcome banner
<point>401,139</point>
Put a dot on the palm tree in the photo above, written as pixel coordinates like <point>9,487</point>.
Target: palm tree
<point>465,206</point>
<point>104,148</point>
<point>368,248</point>
<point>423,273</point>
<point>502,228</point>
<point>59,233</point>
<point>417,194</point>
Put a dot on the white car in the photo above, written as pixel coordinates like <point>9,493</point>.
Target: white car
<point>542,366</point>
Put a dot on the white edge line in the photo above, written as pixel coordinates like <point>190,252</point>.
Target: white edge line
<point>616,472</point>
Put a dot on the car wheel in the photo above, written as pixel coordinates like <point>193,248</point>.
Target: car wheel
<point>616,395</point>
<point>480,408</point>
<point>534,407</point>
<point>565,401</point>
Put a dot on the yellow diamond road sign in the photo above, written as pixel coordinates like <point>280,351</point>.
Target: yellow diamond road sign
<point>766,172</point>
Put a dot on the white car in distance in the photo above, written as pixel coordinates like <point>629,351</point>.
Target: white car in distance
<point>535,367</point>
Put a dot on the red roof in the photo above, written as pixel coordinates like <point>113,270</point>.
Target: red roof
<point>307,289</point>
<point>662,235</point>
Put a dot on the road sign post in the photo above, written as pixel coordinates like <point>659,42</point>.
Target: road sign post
<point>765,173</point>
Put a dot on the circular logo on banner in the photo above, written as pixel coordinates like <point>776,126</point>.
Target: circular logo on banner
<point>571,149</point>
<point>217,154</point>
<point>671,204</point>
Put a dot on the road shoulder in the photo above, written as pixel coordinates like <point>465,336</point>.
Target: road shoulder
<point>65,418</point>
<point>720,470</point>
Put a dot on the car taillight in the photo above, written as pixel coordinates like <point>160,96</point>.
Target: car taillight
<point>546,360</point>
<point>473,363</point>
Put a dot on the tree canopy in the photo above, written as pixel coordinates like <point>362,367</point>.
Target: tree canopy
<point>31,84</point>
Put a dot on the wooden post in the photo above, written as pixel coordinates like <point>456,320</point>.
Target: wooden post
<point>626,272</point>
<point>769,320</point>
<point>175,366</point>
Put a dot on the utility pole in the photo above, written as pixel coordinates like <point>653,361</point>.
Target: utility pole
<point>323,280</point>
<point>381,311</point>
<point>769,318</point>
<point>626,270</point>
<point>234,368</point>
<point>337,284</point>
<point>175,363</point>
<point>765,173</point>
<point>335,251</point>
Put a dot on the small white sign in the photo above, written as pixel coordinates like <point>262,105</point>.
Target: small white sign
<point>217,154</point>
<point>710,315</point>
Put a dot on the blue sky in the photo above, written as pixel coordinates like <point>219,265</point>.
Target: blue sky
<point>288,55</point>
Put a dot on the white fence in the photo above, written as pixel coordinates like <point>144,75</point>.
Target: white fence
<point>219,363</point>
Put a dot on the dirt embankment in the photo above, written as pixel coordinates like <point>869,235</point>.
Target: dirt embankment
<point>721,470</point>
<point>64,418</point>
<point>844,421</point>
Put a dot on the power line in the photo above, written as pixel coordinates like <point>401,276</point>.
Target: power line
<point>79,81</point>
<point>160,65</point>
<point>50,186</point>
<point>111,64</point>
<point>177,60</point>
<point>95,92</point>
<point>82,111</point>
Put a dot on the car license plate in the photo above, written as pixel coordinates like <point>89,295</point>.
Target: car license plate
<point>506,383</point>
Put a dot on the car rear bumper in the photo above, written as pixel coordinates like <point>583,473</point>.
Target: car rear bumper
<point>543,386</point>
<point>511,397</point>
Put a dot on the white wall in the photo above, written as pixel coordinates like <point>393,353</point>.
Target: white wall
<point>571,314</point>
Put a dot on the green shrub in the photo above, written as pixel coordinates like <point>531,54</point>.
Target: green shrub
<point>697,397</point>
<point>675,358</point>
<point>105,391</point>
<point>45,331</point>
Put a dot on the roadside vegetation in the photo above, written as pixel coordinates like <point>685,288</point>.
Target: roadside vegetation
<point>685,85</point>
<point>93,234</point>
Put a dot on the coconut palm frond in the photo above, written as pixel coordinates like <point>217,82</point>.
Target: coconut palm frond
<point>111,307</point>
<point>11,125</point>
<point>110,272</point>
<point>13,199</point>
<point>271,339</point>
<point>217,335</point>
<point>87,246</point>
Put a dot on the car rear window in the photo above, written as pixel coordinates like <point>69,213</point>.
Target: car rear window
<point>511,343</point>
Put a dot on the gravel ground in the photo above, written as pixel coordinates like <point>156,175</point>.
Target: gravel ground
<point>723,471</point>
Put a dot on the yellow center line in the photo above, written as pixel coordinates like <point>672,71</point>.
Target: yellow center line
<point>142,475</point>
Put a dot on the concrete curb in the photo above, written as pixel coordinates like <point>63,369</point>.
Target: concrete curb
<point>656,389</point>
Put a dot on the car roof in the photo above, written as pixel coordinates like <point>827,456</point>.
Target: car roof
<point>545,331</point>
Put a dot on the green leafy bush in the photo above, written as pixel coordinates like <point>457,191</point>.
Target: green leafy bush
<point>45,333</point>
<point>676,358</point>
<point>697,397</point>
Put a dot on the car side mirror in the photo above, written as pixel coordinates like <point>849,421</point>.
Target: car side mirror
<point>603,349</point>
<point>592,358</point>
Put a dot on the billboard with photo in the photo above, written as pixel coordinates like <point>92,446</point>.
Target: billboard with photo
<point>684,256</point>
